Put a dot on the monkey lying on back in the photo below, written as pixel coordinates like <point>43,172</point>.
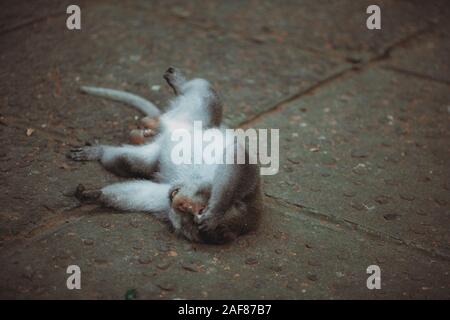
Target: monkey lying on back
<point>211,203</point>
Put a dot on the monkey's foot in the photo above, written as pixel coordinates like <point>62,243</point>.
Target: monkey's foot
<point>88,196</point>
<point>151,123</point>
<point>85,153</point>
<point>175,79</point>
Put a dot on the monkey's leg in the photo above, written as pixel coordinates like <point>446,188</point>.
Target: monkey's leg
<point>175,79</point>
<point>214,109</point>
<point>231,183</point>
<point>139,195</point>
<point>125,160</point>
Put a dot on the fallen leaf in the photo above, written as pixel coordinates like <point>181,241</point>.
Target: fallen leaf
<point>172,253</point>
<point>30,131</point>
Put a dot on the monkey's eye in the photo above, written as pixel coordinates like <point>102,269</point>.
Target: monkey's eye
<point>201,210</point>
<point>173,193</point>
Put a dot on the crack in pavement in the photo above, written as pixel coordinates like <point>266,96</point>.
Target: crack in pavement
<point>416,74</point>
<point>348,72</point>
<point>279,107</point>
<point>356,69</point>
<point>46,227</point>
<point>61,12</point>
<point>330,218</point>
<point>31,22</point>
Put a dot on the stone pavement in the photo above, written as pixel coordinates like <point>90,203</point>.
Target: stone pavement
<point>364,142</point>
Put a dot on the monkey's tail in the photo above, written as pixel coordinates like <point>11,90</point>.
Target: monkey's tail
<point>136,101</point>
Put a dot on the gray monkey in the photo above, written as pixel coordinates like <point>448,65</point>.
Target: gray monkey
<point>210,203</point>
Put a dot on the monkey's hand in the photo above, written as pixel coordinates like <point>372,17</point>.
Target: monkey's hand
<point>87,196</point>
<point>207,221</point>
<point>88,153</point>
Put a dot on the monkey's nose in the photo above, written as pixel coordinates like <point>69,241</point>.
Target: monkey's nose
<point>185,207</point>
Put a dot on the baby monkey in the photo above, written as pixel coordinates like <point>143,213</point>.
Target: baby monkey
<point>209,203</point>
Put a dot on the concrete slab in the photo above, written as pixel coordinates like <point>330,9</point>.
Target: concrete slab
<point>334,27</point>
<point>134,53</point>
<point>427,57</point>
<point>291,257</point>
<point>371,151</point>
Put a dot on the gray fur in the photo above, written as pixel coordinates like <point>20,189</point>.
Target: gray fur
<point>210,204</point>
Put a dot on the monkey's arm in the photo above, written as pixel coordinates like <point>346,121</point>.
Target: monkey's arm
<point>124,160</point>
<point>139,195</point>
<point>232,182</point>
<point>175,79</point>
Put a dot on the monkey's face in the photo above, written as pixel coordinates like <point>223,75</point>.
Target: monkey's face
<point>185,203</point>
<point>189,200</point>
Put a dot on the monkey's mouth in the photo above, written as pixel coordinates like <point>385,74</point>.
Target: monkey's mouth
<point>188,208</point>
<point>185,205</point>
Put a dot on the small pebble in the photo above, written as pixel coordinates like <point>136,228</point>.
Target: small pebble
<point>314,263</point>
<point>189,266</point>
<point>106,224</point>
<point>360,169</point>
<point>145,259</point>
<point>391,216</point>
<point>28,273</point>
<point>312,277</point>
<point>162,247</point>
<point>163,265</point>
<point>349,194</point>
<point>167,286</point>
<point>407,197</point>
<point>134,223</point>
<point>251,261</point>
<point>440,202</point>
<point>421,212</point>
<point>382,199</point>
<point>359,153</point>
<point>418,230</point>
<point>357,206</point>
<point>88,242</point>
<point>130,294</point>
<point>276,268</point>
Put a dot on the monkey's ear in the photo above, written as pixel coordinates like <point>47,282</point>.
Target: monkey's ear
<point>173,192</point>
<point>201,210</point>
